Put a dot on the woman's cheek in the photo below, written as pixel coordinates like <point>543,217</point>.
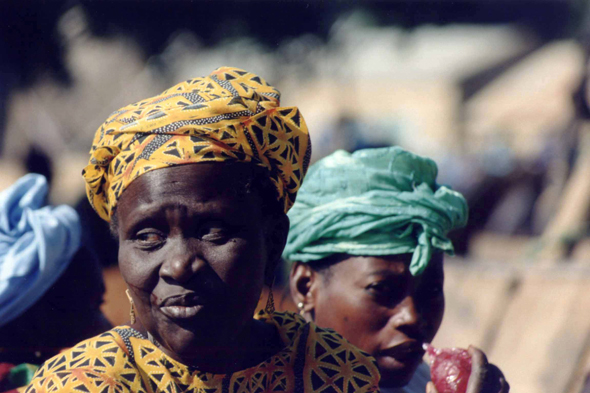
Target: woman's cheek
<point>376,317</point>
<point>139,271</point>
<point>234,260</point>
<point>364,325</point>
<point>126,265</point>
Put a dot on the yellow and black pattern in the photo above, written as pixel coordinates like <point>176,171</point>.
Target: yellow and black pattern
<point>122,360</point>
<point>229,115</point>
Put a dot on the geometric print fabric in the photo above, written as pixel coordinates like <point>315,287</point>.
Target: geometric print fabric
<point>230,115</point>
<point>122,360</point>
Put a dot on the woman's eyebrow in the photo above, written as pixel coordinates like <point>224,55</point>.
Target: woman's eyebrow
<point>153,214</point>
<point>386,273</point>
<point>141,222</point>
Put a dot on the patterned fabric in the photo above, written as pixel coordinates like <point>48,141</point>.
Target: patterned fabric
<point>374,202</point>
<point>122,360</point>
<point>231,115</point>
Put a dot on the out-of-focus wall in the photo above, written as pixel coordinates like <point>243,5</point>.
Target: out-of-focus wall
<point>401,87</point>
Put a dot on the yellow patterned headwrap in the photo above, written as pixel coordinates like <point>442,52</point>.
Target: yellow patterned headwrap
<point>230,115</point>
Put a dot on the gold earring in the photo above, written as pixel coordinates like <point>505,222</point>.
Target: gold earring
<point>300,307</point>
<point>270,302</point>
<point>132,312</point>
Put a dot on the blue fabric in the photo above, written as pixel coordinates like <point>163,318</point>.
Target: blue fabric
<point>416,385</point>
<point>36,244</point>
<point>373,202</point>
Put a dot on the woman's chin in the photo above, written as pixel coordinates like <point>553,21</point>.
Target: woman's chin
<point>395,373</point>
<point>187,335</point>
<point>183,344</point>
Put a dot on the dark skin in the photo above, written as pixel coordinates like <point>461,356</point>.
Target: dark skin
<point>66,314</point>
<point>378,306</point>
<point>376,303</point>
<point>196,250</point>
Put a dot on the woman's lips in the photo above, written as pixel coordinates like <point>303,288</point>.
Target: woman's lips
<point>181,312</point>
<point>182,306</point>
<point>408,350</point>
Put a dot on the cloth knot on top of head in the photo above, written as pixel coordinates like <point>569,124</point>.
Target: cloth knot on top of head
<point>230,115</point>
<point>373,202</point>
<point>37,243</point>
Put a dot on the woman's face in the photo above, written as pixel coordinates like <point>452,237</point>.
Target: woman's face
<point>377,305</point>
<point>194,252</point>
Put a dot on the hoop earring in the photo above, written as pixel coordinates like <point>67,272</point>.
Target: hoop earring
<point>132,311</point>
<point>270,302</point>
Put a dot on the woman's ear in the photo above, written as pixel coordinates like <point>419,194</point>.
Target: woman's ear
<point>302,284</point>
<point>276,231</point>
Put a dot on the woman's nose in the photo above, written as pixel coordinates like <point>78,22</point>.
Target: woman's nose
<point>408,317</point>
<point>182,263</point>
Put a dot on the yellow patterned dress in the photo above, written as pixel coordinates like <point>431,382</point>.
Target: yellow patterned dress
<point>123,360</point>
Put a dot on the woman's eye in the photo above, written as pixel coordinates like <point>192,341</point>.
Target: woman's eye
<point>150,238</point>
<point>381,288</point>
<point>214,234</point>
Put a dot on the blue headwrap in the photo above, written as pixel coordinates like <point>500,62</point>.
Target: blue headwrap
<point>36,244</point>
<point>373,202</point>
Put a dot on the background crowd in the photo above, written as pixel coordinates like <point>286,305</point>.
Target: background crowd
<point>495,92</point>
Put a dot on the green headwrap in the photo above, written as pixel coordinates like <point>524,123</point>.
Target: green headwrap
<point>373,202</point>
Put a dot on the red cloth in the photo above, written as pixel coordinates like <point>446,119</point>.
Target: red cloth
<point>4,374</point>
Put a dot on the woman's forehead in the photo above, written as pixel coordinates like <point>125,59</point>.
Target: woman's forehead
<point>197,179</point>
<point>188,185</point>
<point>398,265</point>
<point>373,265</point>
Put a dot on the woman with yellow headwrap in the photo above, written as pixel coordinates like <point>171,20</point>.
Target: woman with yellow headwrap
<point>196,183</point>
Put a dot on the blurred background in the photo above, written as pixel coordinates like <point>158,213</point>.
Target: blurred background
<point>494,91</point>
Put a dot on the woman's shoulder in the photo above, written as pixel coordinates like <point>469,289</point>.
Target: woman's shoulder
<point>331,351</point>
<point>322,355</point>
<point>89,366</point>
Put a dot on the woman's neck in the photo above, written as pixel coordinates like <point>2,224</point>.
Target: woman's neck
<point>257,342</point>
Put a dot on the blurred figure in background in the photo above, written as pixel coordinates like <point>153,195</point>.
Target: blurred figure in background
<point>367,237</point>
<point>51,286</point>
<point>568,226</point>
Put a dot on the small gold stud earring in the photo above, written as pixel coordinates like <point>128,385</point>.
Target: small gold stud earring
<point>300,307</point>
<point>132,312</point>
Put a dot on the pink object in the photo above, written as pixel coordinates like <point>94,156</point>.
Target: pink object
<point>449,369</point>
<point>5,370</point>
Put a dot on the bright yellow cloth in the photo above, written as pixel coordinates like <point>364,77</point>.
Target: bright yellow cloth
<point>122,360</point>
<point>230,115</point>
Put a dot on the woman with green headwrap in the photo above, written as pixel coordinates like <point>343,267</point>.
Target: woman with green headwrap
<point>367,237</point>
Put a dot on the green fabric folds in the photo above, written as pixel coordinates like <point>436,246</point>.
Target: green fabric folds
<point>373,202</point>
<point>22,375</point>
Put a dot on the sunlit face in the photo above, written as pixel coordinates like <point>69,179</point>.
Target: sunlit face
<point>377,305</point>
<point>194,254</point>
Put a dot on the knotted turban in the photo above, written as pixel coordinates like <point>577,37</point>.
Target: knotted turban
<point>373,202</point>
<point>230,115</point>
<point>37,243</point>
